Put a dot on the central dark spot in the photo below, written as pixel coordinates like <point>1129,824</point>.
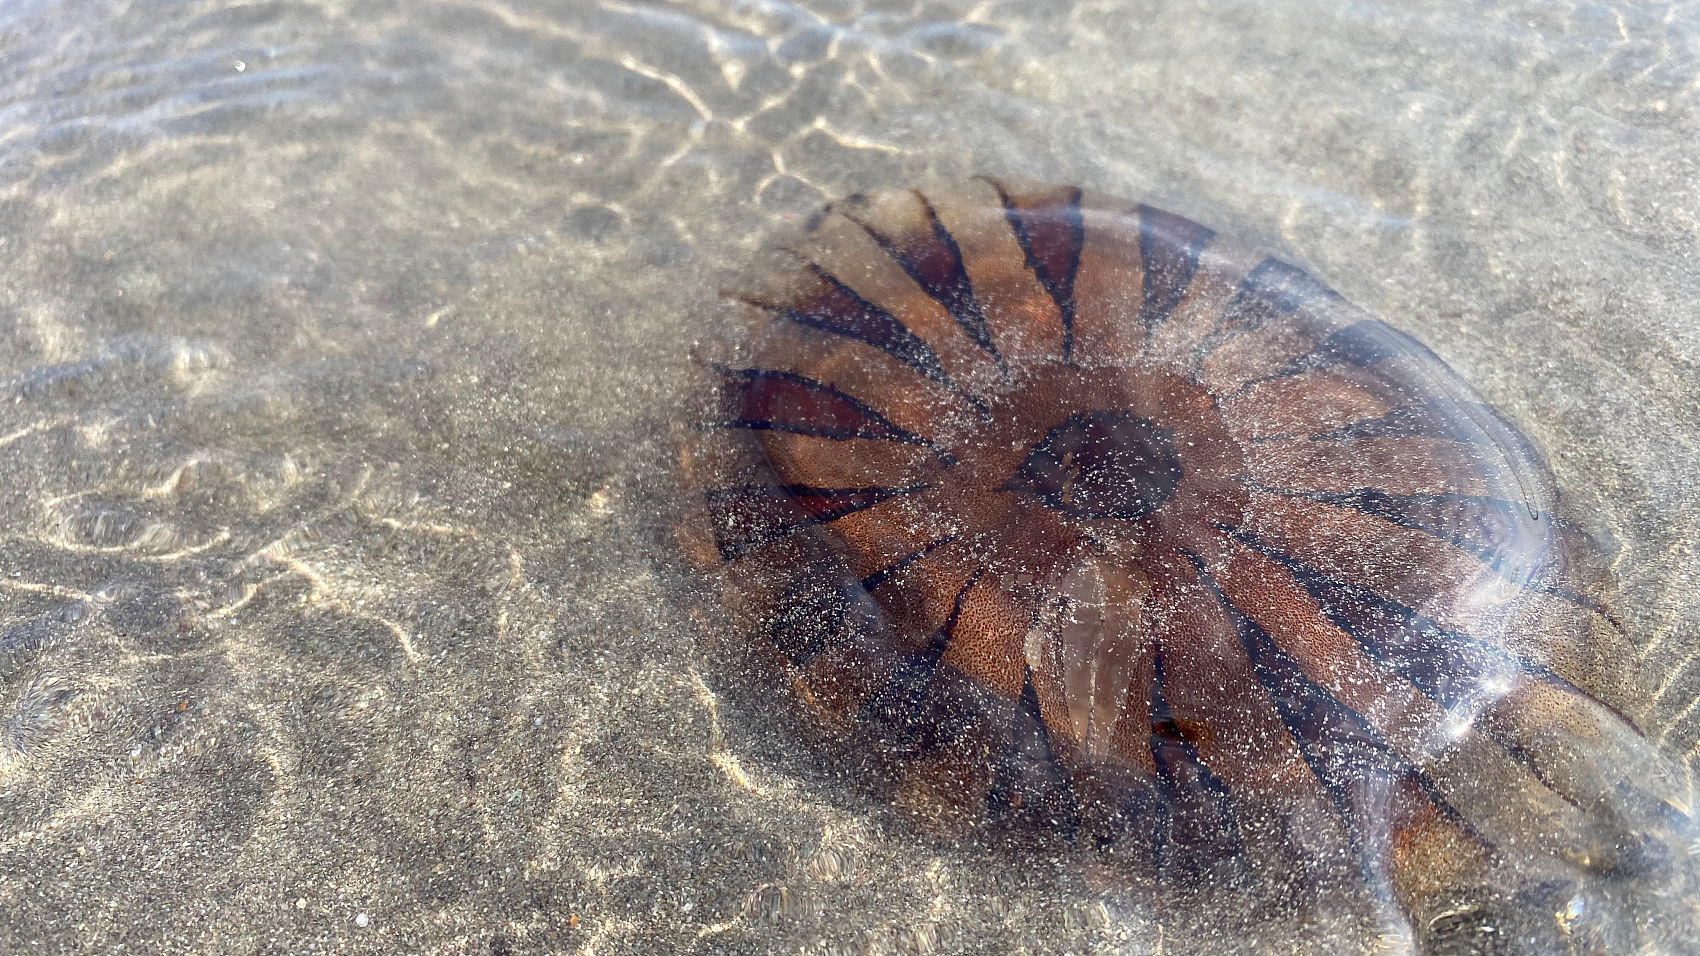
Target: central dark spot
<point>1102,465</point>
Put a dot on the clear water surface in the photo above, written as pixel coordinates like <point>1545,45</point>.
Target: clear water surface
<point>341,353</point>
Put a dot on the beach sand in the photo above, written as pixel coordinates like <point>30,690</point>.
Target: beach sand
<point>341,349</point>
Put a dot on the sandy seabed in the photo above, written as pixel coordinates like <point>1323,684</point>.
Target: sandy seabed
<point>341,345</point>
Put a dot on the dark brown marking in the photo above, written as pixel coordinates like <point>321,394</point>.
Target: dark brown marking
<point>937,268</point>
<point>1051,233</point>
<point>753,515</point>
<point>1169,248</point>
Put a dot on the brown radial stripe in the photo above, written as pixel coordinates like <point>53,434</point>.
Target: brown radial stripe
<point>1364,342</point>
<point>802,345</point>
<point>713,455</point>
<point>1397,466</point>
<point>1022,318</point>
<point>903,554</point>
<point>1175,339</point>
<point>1319,400</point>
<point>1030,782</point>
<point>1450,667</point>
<point>752,515</point>
<point>1361,344</point>
<point>830,462</point>
<point>1328,657</point>
<point>767,400</point>
<point>1203,826</point>
<point>1527,478</point>
<point>1108,291</point>
<point>905,225</point>
<point>1472,774</point>
<point>1450,418</point>
<point>1454,589</point>
<point>876,537</point>
<point>866,374</point>
<point>1344,751</point>
<point>1047,224</point>
<point>1263,352</point>
<point>1431,856</point>
<point>832,307</point>
<point>1211,685</point>
<point>1560,732</point>
<point>1170,249</point>
<point>1499,534</point>
<point>840,678</point>
<point>1403,373</point>
<point>1271,293</point>
<point>1519,546</point>
<point>923,594</point>
<point>1503,799</point>
<point>990,634</point>
<point>1404,565</point>
<point>880,272</point>
<point>903,699</point>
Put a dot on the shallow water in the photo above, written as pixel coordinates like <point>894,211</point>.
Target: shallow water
<point>343,344</point>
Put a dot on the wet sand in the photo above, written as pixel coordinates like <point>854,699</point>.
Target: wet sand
<point>341,347</point>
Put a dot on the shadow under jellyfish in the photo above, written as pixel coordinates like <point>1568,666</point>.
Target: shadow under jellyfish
<point>1096,519</point>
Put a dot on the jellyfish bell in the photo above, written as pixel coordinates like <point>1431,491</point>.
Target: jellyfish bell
<point>1105,523</point>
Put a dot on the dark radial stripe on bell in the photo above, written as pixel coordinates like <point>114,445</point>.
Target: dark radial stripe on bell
<point>1051,236</point>
<point>1448,666</point>
<point>937,268</point>
<point>900,702</point>
<point>1270,292</point>
<point>816,608</point>
<point>1492,530</point>
<point>883,575</point>
<point>748,517</point>
<point>1342,749</point>
<point>1444,664</point>
<point>1169,248</point>
<point>1362,343</point>
<point>1197,811</point>
<point>1029,777</point>
<point>1479,525</point>
<point>1449,418</point>
<point>787,402</point>
<point>1451,668</point>
<point>1359,345</point>
<point>836,309</point>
